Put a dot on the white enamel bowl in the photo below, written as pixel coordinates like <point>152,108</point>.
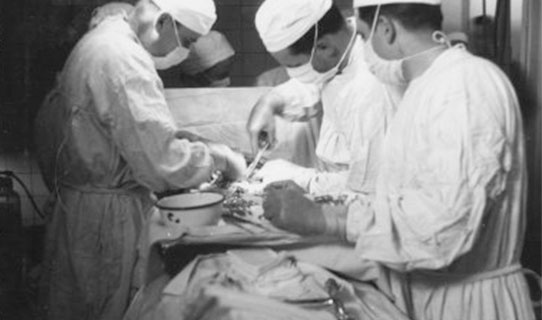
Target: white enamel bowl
<point>191,209</point>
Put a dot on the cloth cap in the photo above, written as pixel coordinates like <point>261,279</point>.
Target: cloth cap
<point>197,15</point>
<point>209,50</point>
<point>366,3</point>
<point>281,23</point>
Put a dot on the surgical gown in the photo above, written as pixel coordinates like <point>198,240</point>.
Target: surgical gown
<point>356,111</point>
<point>449,208</point>
<point>105,140</point>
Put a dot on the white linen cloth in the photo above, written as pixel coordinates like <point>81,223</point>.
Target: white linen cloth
<point>221,114</point>
<point>219,278</point>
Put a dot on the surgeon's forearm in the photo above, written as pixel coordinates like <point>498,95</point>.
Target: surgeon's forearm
<point>335,218</point>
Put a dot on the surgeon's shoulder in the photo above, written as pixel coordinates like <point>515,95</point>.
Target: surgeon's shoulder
<point>118,49</point>
<point>476,83</point>
<point>465,66</point>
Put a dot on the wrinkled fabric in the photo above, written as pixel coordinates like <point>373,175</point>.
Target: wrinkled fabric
<point>108,10</point>
<point>356,111</point>
<point>301,99</point>
<point>105,139</point>
<point>91,257</point>
<point>179,297</point>
<point>451,192</point>
<point>296,142</point>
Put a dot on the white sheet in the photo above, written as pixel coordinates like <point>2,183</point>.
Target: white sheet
<point>220,114</point>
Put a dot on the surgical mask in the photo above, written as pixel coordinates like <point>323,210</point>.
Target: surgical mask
<point>387,71</point>
<point>221,83</point>
<point>307,74</point>
<point>390,71</point>
<point>173,58</point>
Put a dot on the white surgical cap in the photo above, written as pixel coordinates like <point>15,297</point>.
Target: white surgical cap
<point>197,15</point>
<point>281,23</point>
<point>365,3</point>
<point>206,52</point>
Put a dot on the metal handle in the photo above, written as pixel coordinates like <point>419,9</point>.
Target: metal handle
<point>259,155</point>
<point>333,289</point>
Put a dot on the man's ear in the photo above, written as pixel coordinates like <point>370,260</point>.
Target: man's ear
<point>388,29</point>
<point>162,22</point>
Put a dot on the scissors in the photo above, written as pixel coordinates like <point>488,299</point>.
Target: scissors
<point>259,155</point>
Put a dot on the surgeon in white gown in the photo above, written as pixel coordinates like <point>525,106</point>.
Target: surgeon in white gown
<point>324,58</point>
<point>449,206</point>
<point>105,140</point>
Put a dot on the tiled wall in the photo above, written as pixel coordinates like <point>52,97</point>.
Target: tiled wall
<point>236,21</point>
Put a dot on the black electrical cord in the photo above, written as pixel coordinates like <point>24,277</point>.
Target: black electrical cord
<point>11,174</point>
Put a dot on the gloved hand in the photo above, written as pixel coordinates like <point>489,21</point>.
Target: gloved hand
<point>287,207</point>
<point>232,164</point>
<point>280,170</point>
<point>261,122</point>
